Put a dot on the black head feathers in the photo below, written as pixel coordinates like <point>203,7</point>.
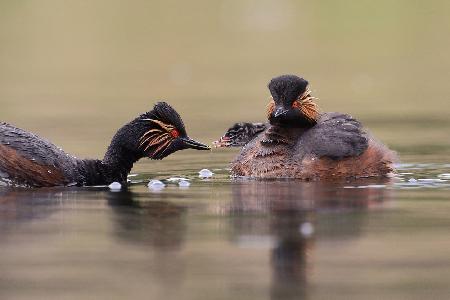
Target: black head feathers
<point>287,88</point>
<point>166,114</point>
<point>292,104</point>
<point>161,132</point>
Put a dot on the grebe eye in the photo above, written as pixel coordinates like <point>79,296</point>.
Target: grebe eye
<point>296,104</point>
<point>174,133</point>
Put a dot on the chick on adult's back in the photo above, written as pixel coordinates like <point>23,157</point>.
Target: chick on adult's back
<point>299,142</point>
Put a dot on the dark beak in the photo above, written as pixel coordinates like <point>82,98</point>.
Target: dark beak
<point>189,143</point>
<point>280,112</point>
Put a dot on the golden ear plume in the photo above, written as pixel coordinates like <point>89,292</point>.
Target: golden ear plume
<point>155,136</point>
<point>270,107</point>
<point>307,106</point>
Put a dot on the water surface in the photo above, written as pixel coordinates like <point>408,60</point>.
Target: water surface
<point>229,239</point>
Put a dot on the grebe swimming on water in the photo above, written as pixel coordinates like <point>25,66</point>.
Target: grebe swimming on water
<point>300,142</point>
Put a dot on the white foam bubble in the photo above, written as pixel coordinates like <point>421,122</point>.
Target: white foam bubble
<point>184,183</point>
<point>115,186</point>
<point>156,185</point>
<point>205,173</point>
<point>307,229</point>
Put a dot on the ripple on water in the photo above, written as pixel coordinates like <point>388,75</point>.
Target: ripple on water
<point>421,175</point>
<point>444,176</point>
<point>408,176</point>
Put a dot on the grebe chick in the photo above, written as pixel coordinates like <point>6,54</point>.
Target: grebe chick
<point>300,142</point>
<point>27,159</point>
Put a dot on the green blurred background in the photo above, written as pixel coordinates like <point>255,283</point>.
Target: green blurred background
<point>75,71</point>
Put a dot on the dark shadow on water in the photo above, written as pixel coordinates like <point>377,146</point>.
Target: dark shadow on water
<point>21,204</point>
<point>159,227</point>
<point>155,223</point>
<point>295,216</point>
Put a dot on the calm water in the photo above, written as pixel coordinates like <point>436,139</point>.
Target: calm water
<point>74,71</point>
<point>229,239</point>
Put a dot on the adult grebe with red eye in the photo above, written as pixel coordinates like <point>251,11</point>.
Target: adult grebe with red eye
<point>26,159</point>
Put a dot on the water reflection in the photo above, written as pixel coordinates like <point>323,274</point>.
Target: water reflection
<point>158,227</point>
<point>291,217</point>
<point>252,239</point>
<point>156,223</point>
<point>19,204</point>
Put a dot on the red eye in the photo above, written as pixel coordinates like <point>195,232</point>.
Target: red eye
<point>296,104</point>
<point>175,133</point>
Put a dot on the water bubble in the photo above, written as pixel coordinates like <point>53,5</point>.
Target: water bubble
<point>205,173</point>
<point>307,229</point>
<point>115,186</point>
<point>156,185</point>
<point>184,183</point>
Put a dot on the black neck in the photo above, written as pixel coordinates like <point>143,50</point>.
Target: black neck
<point>101,172</point>
<point>293,121</point>
<point>118,160</point>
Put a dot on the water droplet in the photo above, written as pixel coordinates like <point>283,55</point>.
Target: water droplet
<point>115,186</point>
<point>307,229</point>
<point>184,183</point>
<point>49,171</point>
<point>156,185</point>
<point>205,173</point>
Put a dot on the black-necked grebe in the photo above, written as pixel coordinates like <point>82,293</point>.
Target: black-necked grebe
<point>30,160</point>
<point>299,142</point>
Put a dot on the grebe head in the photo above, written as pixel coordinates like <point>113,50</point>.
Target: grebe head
<point>292,104</point>
<point>161,132</point>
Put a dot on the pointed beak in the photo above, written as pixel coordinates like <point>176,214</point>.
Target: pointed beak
<point>280,112</point>
<point>190,143</point>
<point>222,142</point>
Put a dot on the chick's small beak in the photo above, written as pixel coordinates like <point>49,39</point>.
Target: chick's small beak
<point>190,143</point>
